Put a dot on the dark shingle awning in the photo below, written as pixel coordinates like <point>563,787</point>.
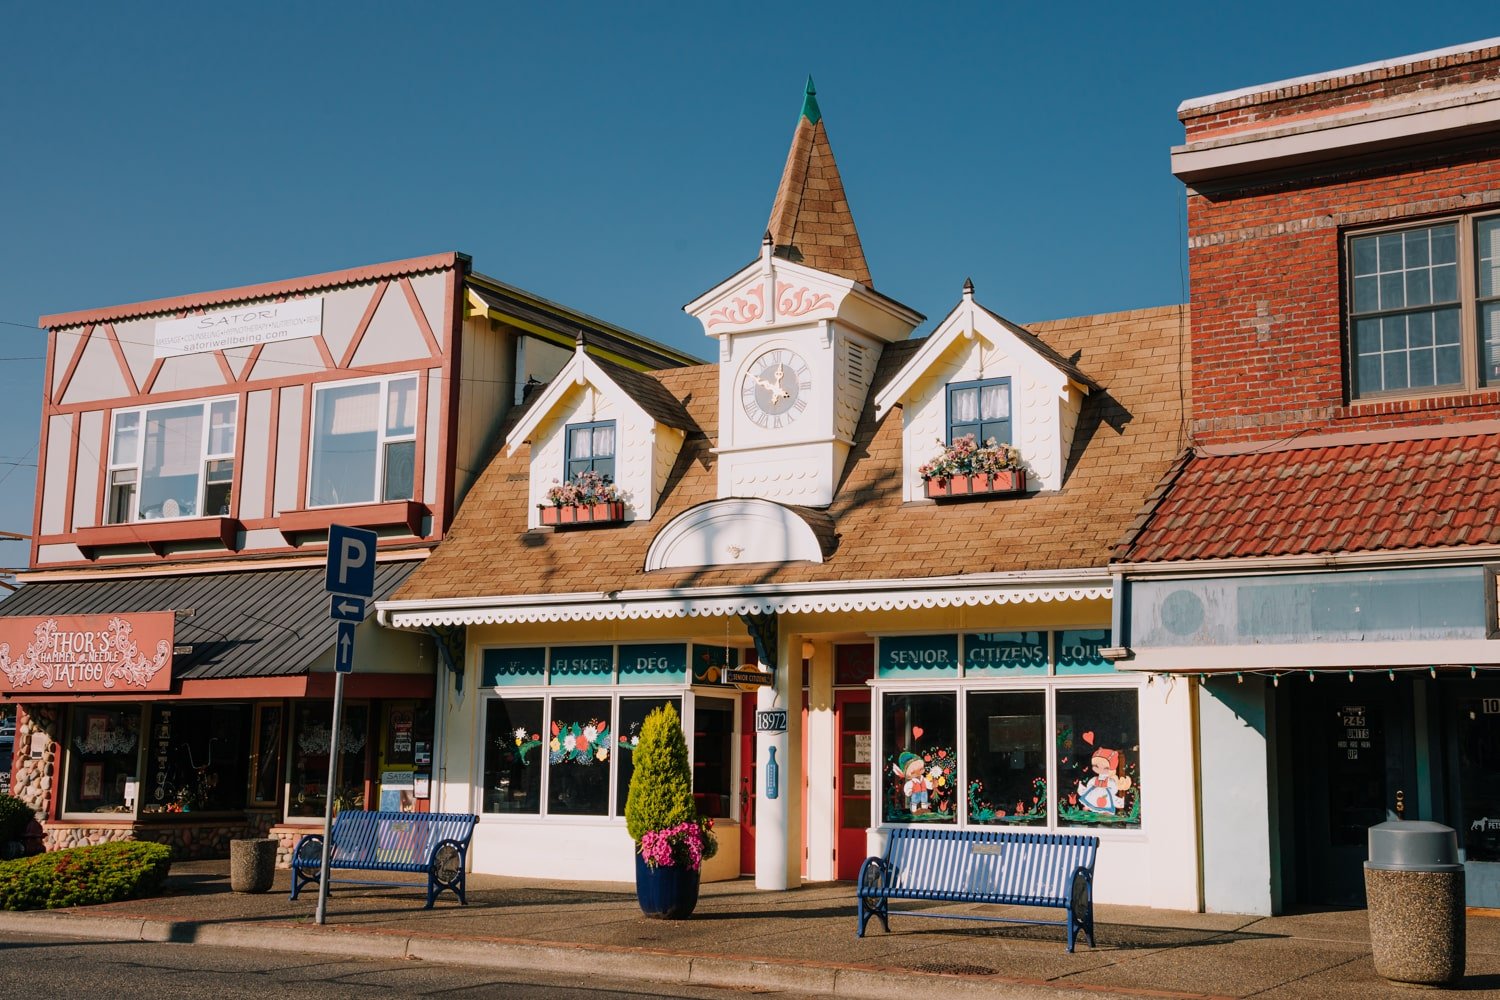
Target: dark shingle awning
<point>244,623</point>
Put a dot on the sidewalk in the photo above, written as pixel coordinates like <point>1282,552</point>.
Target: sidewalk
<point>802,940</point>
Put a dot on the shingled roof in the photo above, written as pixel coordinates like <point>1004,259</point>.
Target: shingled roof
<point>810,220</point>
<point>1127,438</point>
<point>1379,495</point>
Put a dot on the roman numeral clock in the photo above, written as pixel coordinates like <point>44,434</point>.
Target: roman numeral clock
<point>776,388</point>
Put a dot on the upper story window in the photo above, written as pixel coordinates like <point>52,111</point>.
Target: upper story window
<point>980,408</point>
<point>1418,320</point>
<point>364,445</point>
<point>591,448</point>
<point>172,461</point>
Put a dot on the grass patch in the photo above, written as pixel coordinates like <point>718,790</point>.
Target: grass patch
<point>84,876</point>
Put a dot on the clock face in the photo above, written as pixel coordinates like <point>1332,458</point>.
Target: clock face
<point>775,389</point>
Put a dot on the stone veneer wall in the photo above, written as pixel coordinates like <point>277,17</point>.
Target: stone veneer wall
<point>31,779</point>
<point>189,841</point>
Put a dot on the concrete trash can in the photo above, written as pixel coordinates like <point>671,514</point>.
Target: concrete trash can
<point>252,864</point>
<point>1414,884</point>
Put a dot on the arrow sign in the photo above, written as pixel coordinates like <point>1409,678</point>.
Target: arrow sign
<point>343,655</point>
<point>347,609</point>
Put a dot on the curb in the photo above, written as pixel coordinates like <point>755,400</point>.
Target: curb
<point>725,972</point>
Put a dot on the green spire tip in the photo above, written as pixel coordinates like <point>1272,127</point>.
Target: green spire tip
<point>810,109</point>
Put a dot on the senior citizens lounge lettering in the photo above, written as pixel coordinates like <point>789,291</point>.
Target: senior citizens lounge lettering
<point>87,653</point>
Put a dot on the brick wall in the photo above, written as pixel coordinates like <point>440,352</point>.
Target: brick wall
<point>1345,92</point>
<point>1265,271</point>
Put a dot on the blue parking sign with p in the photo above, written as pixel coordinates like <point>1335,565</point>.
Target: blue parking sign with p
<point>351,561</point>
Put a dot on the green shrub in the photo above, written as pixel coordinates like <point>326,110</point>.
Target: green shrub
<point>14,817</point>
<point>661,786</point>
<point>82,876</point>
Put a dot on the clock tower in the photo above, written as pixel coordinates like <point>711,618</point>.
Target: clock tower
<point>800,331</point>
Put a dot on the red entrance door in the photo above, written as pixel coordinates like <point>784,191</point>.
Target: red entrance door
<point>747,785</point>
<point>852,778</point>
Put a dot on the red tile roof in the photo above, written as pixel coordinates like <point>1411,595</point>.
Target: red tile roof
<point>1126,439</point>
<point>1370,496</point>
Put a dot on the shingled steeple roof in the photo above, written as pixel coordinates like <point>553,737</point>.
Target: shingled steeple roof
<point>810,221</point>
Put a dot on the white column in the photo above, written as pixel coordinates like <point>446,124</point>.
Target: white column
<point>821,737</point>
<point>778,818</point>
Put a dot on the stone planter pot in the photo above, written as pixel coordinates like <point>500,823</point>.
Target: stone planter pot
<point>666,893</point>
<point>252,864</point>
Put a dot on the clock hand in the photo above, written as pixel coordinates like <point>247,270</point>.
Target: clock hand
<point>764,383</point>
<point>779,373</point>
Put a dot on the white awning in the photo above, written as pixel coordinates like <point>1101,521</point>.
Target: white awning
<point>704,602</point>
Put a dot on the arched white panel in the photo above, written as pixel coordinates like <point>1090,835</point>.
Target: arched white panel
<point>726,532</point>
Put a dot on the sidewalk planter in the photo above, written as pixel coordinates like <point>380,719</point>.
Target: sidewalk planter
<point>1009,482</point>
<point>252,864</point>
<point>667,892</point>
<point>599,513</point>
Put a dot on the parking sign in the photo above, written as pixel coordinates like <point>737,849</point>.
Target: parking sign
<point>351,561</point>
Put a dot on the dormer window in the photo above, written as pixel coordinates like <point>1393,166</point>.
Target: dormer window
<point>980,408</point>
<point>364,444</point>
<point>172,461</point>
<point>591,448</point>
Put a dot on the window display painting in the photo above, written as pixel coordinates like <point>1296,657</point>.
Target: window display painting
<point>1006,758</point>
<point>92,785</point>
<point>1098,758</point>
<point>579,759</point>
<point>920,768</point>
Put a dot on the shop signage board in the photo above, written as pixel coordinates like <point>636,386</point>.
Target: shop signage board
<point>746,678</point>
<point>245,326</point>
<point>86,654</point>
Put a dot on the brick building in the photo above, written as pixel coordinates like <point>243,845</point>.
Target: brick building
<point>1318,564</point>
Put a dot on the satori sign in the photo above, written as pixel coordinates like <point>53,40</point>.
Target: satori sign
<point>86,653</point>
<point>245,326</point>
<point>351,561</point>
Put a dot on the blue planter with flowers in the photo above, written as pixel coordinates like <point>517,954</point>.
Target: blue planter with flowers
<point>666,892</point>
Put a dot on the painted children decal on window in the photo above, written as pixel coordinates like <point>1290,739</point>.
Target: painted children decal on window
<point>1104,793</point>
<point>921,785</point>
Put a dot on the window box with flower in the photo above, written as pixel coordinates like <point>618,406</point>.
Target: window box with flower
<point>968,469</point>
<point>587,498</point>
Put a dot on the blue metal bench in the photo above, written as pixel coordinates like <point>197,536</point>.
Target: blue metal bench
<point>435,843</point>
<point>983,866</point>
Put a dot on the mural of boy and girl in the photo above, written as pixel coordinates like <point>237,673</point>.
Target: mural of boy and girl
<point>1107,788</point>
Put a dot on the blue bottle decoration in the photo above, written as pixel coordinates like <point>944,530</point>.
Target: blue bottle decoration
<point>773,774</point>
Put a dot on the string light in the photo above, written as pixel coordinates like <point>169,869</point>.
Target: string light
<point>1311,677</point>
<point>1433,672</point>
<point>1473,673</point>
<point>1276,680</point>
<point>1239,678</point>
<point>1351,677</point>
<point>1391,674</point>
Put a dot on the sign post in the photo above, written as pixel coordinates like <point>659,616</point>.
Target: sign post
<point>350,574</point>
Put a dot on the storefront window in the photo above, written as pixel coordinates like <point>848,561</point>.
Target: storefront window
<point>201,758</point>
<point>311,743</point>
<point>633,712</point>
<point>1098,758</point>
<point>578,757</point>
<point>1006,757</point>
<point>513,755</point>
<point>1476,732</point>
<point>266,764</point>
<point>713,739</point>
<point>103,749</point>
<point>919,735</point>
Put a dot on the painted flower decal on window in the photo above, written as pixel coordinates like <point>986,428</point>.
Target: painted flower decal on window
<point>579,742</point>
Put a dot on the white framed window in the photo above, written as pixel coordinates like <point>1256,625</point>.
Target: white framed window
<point>171,461</point>
<point>364,442</point>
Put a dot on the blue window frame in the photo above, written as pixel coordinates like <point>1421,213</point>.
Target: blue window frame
<point>980,408</point>
<point>591,448</point>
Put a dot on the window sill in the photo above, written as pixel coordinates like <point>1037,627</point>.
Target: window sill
<point>158,535</point>
<point>1456,399</point>
<point>408,514</point>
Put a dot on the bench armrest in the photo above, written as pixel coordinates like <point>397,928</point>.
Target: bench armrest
<point>876,876</point>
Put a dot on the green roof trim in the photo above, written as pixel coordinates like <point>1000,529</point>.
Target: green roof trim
<point>810,109</point>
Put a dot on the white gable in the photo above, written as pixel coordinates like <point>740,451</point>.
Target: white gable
<point>969,345</point>
<point>583,392</point>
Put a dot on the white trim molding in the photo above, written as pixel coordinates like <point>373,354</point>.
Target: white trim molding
<point>978,590</point>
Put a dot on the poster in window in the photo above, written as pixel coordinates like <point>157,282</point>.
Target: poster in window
<point>92,786</point>
<point>95,732</point>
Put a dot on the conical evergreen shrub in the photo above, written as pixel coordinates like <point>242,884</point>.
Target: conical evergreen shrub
<point>661,787</point>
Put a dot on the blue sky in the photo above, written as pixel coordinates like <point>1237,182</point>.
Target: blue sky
<point>621,158</point>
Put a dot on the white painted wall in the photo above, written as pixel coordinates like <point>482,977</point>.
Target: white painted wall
<point>1236,782</point>
<point>86,484</point>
